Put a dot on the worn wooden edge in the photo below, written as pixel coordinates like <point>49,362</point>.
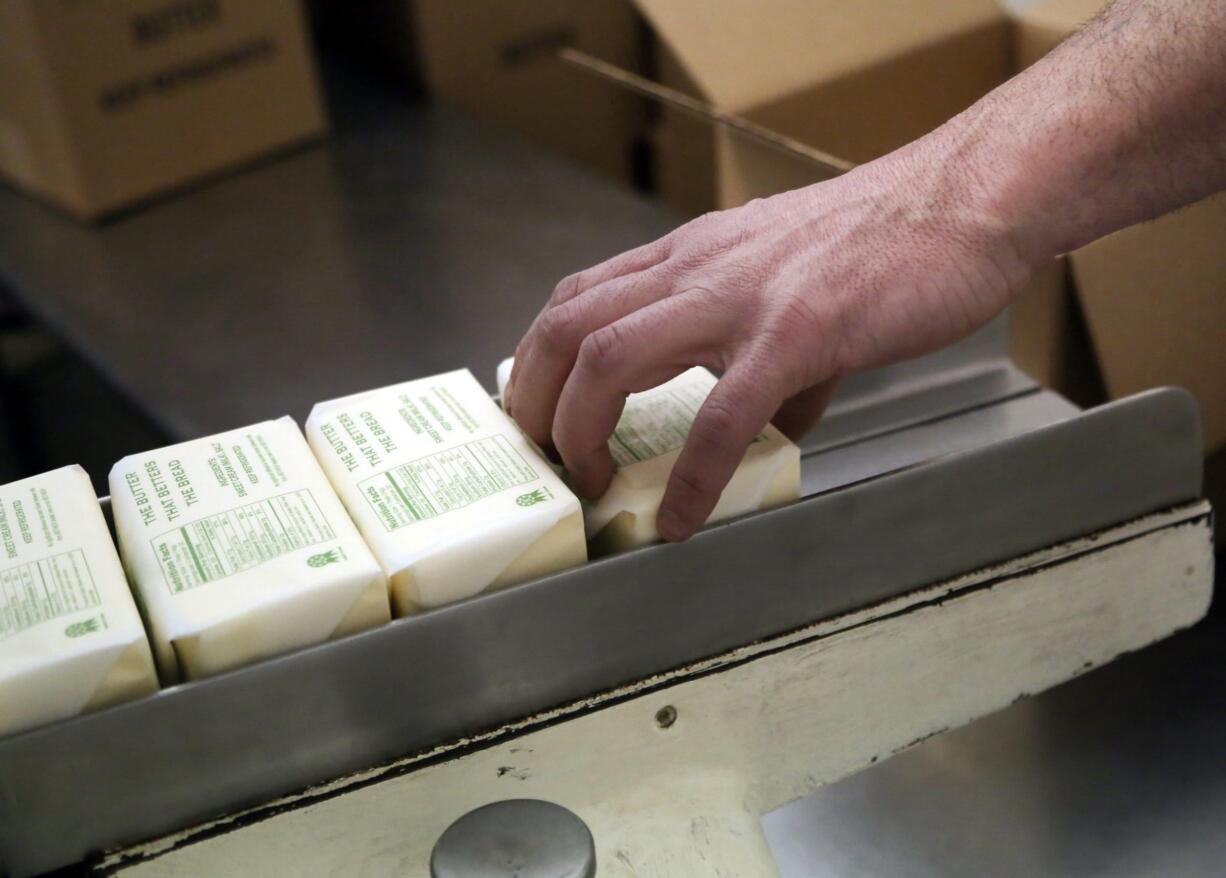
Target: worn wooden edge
<point>984,579</point>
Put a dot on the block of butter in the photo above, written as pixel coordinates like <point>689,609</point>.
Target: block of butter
<point>645,445</point>
<point>448,493</point>
<point>239,550</point>
<point>71,639</point>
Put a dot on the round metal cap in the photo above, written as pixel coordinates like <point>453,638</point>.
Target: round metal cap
<point>518,838</point>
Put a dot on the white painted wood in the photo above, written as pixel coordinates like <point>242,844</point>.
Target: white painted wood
<point>754,730</point>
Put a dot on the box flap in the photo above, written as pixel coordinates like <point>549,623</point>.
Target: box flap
<point>1064,16</point>
<point>743,53</point>
<point>1040,28</point>
<point>829,165</point>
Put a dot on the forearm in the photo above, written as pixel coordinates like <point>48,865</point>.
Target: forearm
<point>1123,122</point>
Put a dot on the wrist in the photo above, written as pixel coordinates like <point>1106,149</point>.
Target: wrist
<point>961,194</point>
<point>1040,162</point>
<point>979,161</point>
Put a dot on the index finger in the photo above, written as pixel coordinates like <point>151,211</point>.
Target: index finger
<point>547,353</point>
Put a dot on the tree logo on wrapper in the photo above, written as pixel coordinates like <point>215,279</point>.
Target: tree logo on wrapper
<point>540,495</point>
<point>85,626</point>
<point>323,559</point>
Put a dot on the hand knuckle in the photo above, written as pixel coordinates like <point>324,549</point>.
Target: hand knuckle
<point>749,273</point>
<point>716,424</point>
<point>698,225</point>
<point>603,349</point>
<point>557,328</point>
<point>567,288</point>
<point>690,481</point>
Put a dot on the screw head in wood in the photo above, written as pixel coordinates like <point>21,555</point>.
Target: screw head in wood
<point>666,716</point>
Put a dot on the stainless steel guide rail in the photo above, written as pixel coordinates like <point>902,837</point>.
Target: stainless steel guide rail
<point>898,495</point>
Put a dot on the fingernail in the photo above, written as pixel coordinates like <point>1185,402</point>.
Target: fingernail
<point>670,527</point>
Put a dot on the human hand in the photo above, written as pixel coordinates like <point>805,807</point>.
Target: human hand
<point>782,296</point>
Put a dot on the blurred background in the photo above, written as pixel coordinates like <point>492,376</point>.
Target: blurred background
<point>194,188</point>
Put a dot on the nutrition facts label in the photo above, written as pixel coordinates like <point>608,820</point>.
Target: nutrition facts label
<point>658,421</point>
<point>44,590</point>
<point>238,539</point>
<point>447,480</point>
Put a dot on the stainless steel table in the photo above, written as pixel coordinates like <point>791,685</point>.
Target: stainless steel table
<point>415,240</point>
<point>412,241</point>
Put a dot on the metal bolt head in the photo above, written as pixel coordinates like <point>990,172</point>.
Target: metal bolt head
<point>666,716</point>
<point>517,838</point>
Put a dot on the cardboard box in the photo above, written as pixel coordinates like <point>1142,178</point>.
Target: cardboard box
<point>1038,28</point>
<point>499,62</point>
<point>856,80</point>
<point>104,103</point>
<point>681,148</point>
<point>1154,298</point>
<point>1048,338</point>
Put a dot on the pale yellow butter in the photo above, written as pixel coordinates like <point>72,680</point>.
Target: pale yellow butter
<point>71,639</point>
<point>449,494</point>
<point>239,550</point>
<point>645,445</point>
